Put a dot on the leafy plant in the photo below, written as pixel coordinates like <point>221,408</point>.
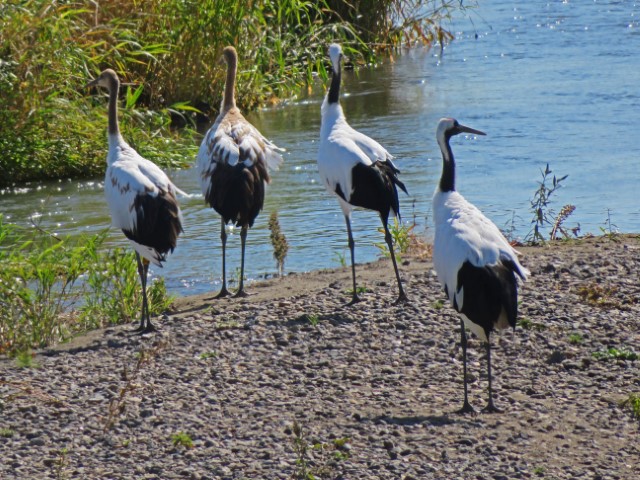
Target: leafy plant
<point>7,433</point>
<point>540,206</point>
<point>599,295</point>
<point>401,236</point>
<point>117,405</point>
<point>317,460</point>
<point>26,359</point>
<point>342,258</point>
<point>610,231</point>
<point>528,324</point>
<point>613,353</point>
<point>575,339</point>
<point>206,355</point>
<point>632,404</point>
<point>313,319</point>
<point>278,241</point>
<point>182,439</point>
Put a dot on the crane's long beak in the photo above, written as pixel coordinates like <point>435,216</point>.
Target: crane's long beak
<point>465,129</point>
<point>92,83</point>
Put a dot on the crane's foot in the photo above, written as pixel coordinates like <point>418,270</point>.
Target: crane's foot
<point>355,299</point>
<point>491,408</point>
<point>139,329</point>
<point>241,294</point>
<point>223,293</point>
<point>466,408</point>
<point>402,298</point>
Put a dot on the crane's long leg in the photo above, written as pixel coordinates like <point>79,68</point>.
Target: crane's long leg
<point>354,298</point>
<point>402,297</point>
<point>466,407</point>
<point>223,237</point>
<point>243,240</point>
<point>145,300</point>
<point>145,320</point>
<point>490,408</point>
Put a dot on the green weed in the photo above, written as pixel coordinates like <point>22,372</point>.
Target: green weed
<point>342,258</point>
<point>117,405</point>
<point>438,304</point>
<point>528,324</point>
<point>278,241</point>
<point>7,433</point>
<point>319,459</point>
<point>542,214</point>
<point>632,404</point>
<point>26,359</point>
<point>575,339</point>
<point>313,319</point>
<point>182,439</point>
<point>206,355</point>
<point>599,296</point>
<point>610,231</point>
<point>613,353</point>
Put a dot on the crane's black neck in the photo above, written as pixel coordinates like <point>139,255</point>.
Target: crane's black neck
<point>114,89</point>
<point>334,89</point>
<point>448,177</point>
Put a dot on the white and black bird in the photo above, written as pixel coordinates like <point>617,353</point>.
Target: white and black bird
<point>141,198</point>
<point>233,165</point>
<point>356,168</point>
<point>476,265</point>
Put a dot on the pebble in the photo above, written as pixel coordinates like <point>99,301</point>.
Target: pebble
<point>370,391</point>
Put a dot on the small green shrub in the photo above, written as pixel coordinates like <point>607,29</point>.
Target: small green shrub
<point>632,404</point>
<point>575,339</point>
<point>278,241</point>
<point>543,215</point>
<point>53,288</point>
<point>528,324</point>
<point>182,439</point>
<point>613,353</point>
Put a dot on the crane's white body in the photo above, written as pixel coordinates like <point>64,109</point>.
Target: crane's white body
<point>128,176</point>
<point>463,233</point>
<point>342,148</point>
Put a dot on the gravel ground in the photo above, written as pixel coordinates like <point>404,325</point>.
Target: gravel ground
<point>255,383</point>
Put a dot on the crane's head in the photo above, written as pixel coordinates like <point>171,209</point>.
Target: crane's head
<point>229,55</point>
<point>335,54</point>
<point>448,127</point>
<point>107,79</point>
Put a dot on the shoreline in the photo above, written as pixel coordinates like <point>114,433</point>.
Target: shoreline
<point>373,386</point>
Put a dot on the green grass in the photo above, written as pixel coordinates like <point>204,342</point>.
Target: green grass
<point>528,324</point>
<point>206,355</point>
<point>575,339</point>
<point>7,432</point>
<point>632,405</point>
<point>53,288</point>
<point>50,127</point>
<point>182,439</point>
<point>613,353</point>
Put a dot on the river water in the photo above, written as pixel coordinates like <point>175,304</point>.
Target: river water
<point>555,83</point>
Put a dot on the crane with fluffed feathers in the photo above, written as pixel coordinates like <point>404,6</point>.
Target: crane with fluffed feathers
<point>141,198</point>
<point>356,169</point>
<point>477,267</point>
<point>233,166</point>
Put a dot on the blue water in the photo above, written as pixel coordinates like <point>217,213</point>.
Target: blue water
<point>553,83</point>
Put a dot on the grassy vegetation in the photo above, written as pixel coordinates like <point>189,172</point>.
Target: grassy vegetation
<point>50,127</point>
<point>632,405</point>
<point>613,353</point>
<point>52,288</point>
